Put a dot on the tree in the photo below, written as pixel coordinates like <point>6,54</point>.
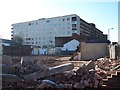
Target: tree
<point>44,46</point>
<point>18,39</point>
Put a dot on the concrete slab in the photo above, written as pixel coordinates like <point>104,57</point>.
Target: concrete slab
<point>51,71</point>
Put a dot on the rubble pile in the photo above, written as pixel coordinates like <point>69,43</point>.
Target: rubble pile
<point>107,64</point>
<point>30,72</point>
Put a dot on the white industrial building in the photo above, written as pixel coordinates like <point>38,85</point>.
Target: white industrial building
<point>42,32</point>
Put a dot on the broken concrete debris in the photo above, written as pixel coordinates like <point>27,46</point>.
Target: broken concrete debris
<point>50,71</point>
<point>34,73</point>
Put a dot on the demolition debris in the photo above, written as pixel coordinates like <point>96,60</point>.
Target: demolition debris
<point>58,72</point>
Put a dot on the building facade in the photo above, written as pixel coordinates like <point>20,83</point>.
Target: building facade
<point>89,31</point>
<point>0,47</point>
<point>42,32</point>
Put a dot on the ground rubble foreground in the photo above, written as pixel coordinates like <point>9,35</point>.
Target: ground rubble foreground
<point>58,72</point>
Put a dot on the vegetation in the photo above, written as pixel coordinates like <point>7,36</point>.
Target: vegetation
<point>18,39</point>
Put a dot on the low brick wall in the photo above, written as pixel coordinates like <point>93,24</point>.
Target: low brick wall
<point>17,50</point>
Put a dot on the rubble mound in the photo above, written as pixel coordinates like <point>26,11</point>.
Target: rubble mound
<point>39,72</point>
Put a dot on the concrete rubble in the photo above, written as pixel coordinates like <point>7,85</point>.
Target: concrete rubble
<point>50,71</point>
<point>25,72</point>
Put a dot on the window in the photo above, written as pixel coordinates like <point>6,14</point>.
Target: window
<point>68,23</point>
<point>50,41</point>
<point>68,19</point>
<point>44,38</point>
<point>68,32</point>
<point>27,35</point>
<point>27,42</point>
<point>59,24</point>
<point>50,37</point>
<point>68,27</point>
<point>36,23</point>
<point>74,26</point>
<point>32,38</point>
<point>63,19</point>
<point>27,38</point>
<point>74,18</point>
<point>32,42</point>
<point>74,29</point>
<point>47,21</point>
<point>29,24</point>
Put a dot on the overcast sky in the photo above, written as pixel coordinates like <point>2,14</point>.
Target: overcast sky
<point>103,14</point>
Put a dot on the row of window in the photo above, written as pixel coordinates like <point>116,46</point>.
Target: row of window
<point>89,28</point>
<point>35,38</point>
<point>49,42</point>
<point>54,24</point>
<point>68,19</point>
<point>43,38</point>
<point>47,21</point>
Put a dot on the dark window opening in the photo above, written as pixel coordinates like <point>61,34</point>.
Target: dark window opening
<point>50,41</point>
<point>47,21</point>
<point>74,18</point>
<point>27,38</point>
<point>29,24</point>
<point>27,42</point>
<point>74,26</point>
<point>74,29</point>
<point>63,19</point>
<point>68,19</point>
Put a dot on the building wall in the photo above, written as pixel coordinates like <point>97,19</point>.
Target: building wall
<point>90,31</point>
<point>17,50</point>
<point>114,51</point>
<point>43,31</point>
<point>0,47</point>
<point>93,50</point>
